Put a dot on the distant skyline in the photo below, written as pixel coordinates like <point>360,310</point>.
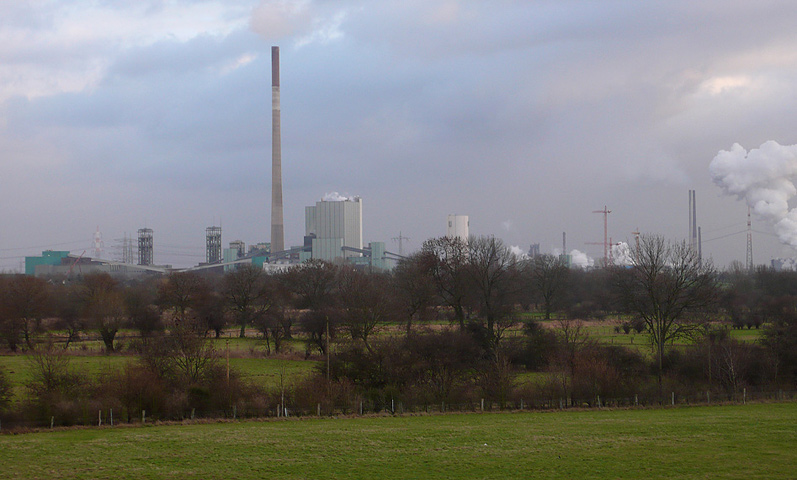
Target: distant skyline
<point>526,116</point>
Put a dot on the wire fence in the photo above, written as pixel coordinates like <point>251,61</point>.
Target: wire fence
<point>358,406</point>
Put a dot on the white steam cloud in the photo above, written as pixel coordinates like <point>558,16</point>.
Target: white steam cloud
<point>580,259</point>
<point>518,252</point>
<point>764,178</point>
<point>336,197</point>
<point>621,254</point>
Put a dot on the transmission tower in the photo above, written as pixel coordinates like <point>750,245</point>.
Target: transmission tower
<point>400,239</point>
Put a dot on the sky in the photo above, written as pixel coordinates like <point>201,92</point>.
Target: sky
<point>528,116</point>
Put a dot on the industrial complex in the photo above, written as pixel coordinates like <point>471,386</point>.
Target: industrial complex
<point>333,232</point>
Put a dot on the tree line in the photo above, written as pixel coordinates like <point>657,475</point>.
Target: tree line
<point>451,323</point>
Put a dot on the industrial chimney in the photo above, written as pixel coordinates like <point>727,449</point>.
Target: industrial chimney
<point>277,225</point>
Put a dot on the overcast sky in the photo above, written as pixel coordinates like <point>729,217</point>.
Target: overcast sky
<point>525,115</point>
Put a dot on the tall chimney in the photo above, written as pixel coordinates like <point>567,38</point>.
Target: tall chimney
<point>277,225</point>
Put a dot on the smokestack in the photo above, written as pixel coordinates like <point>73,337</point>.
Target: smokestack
<point>277,225</point>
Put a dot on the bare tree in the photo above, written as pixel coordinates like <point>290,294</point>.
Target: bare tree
<point>449,271</point>
<point>25,301</point>
<point>414,287</point>
<point>493,276</point>
<point>104,306</point>
<point>181,294</point>
<point>247,292</point>
<point>547,277</point>
<point>666,286</point>
<point>311,284</point>
<point>364,302</point>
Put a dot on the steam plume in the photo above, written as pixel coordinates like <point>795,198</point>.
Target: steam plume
<point>764,178</point>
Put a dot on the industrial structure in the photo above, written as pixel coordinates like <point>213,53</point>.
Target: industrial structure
<point>213,244</point>
<point>277,224</point>
<point>695,241</point>
<point>458,227</point>
<point>333,231</point>
<point>332,224</point>
<point>146,247</point>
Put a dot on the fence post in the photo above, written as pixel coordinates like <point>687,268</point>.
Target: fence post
<point>521,404</point>
<point>99,418</point>
<point>361,407</point>
<point>319,409</point>
<point>143,417</point>
<point>599,401</point>
<point>560,403</point>
<point>234,412</point>
<point>482,405</point>
<point>636,399</point>
<point>673,399</point>
<point>193,412</point>
<point>744,397</point>
<point>708,396</point>
<point>52,421</point>
<point>112,417</point>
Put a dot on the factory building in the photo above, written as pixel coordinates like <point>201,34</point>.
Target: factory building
<point>333,227</point>
<point>63,264</point>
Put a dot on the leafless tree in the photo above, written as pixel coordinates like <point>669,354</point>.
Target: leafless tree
<point>493,276</point>
<point>666,286</point>
<point>182,294</point>
<point>449,271</point>
<point>414,287</point>
<point>547,277</point>
<point>311,284</point>
<point>103,305</point>
<point>364,301</point>
<point>25,302</point>
<point>248,294</point>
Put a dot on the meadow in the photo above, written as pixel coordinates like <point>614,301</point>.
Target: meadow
<point>754,441</point>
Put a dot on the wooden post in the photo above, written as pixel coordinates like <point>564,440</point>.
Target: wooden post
<point>636,399</point>
<point>52,421</point>
<point>673,399</point>
<point>319,409</point>
<point>521,404</point>
<point>708,396</point>
<point>361,407</point>
<point>193,411</point>
<point>744,396</point>
<point>143,417</point>
<point>482,404</point>
<point>234,412</point>
<point>111,417</point>
<point>99,418</point>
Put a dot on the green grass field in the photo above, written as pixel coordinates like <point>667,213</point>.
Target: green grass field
<point>262,371</point>
<point>729,442</point>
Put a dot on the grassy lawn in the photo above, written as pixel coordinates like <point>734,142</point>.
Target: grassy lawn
<point>729,442</point>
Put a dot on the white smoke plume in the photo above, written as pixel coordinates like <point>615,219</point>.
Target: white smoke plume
<point>621,254</point>
<point>764,178</point>
<point>580,259</point>
<point>518,252</point>
<point>336,197</point>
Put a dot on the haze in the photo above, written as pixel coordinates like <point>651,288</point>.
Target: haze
<point>525,115</point>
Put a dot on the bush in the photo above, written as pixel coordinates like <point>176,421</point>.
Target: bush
<point>6,390</point>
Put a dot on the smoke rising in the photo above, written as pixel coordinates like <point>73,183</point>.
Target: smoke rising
<point>764,178</point>
<point>518,252</point>
<point>621,254</point>
<point>336,197</point>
